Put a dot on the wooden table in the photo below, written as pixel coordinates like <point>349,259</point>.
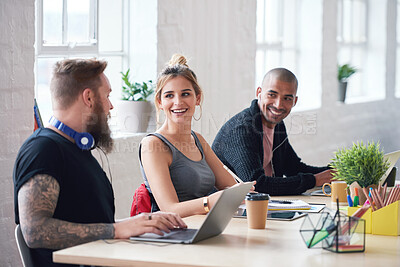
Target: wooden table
<point>280,244</point>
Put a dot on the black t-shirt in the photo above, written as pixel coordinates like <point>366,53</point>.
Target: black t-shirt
<point>86,195</point>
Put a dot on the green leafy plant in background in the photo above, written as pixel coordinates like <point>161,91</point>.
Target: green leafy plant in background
<point>134,91</point>
<point>361,163</point>
<point>345,71</point>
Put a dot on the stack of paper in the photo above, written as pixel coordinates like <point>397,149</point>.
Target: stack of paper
<point>294,204</point>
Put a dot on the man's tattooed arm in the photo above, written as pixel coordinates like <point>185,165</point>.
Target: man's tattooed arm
<point>37,200</point>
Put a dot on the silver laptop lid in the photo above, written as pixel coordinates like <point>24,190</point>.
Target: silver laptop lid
<point>223,211</point>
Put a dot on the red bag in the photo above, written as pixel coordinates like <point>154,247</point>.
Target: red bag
<point>141,201</point>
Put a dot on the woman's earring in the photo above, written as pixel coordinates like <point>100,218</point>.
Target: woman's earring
<point>201,113</point>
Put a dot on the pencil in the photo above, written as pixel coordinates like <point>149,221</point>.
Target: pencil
<point>233,174</point>
<point>397,195</point>
<point>384,193</point>
<point>365,190</point>
<point>388,197</point>
<point>391,194</point>
<point>379,199</point>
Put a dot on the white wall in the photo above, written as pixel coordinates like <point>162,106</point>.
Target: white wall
<point>218,38</point>
<point>17,35</point>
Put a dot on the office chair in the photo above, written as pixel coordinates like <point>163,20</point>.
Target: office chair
<point>23,249</point>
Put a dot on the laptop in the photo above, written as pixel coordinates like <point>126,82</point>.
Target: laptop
<point>214,224</point>
<point>392,158</point>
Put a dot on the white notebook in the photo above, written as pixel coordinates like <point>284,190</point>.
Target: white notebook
<point>288,204</point>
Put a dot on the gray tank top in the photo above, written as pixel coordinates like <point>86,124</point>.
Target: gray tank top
<point>191,179</point>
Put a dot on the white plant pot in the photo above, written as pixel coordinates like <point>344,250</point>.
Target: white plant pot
<point>133,116</point>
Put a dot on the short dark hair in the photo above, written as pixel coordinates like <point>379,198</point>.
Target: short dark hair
<point>72,76</point>
<point>281,74</point>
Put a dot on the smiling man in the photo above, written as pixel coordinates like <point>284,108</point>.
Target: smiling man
<point>254,143</point>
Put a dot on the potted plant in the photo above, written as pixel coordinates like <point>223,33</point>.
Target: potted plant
<point>134,110</point>
<point>344,73</point>
<point>360,166</point>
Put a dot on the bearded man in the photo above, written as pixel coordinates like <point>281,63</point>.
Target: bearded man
<point>62,197</point>
<point>254,143</point>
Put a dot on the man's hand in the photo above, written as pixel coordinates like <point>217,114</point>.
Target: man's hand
<point>157,223</point>
<point>323,177</point>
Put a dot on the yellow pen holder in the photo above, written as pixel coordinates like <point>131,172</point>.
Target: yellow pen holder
<point>386,221</point>
<point>367,217</point>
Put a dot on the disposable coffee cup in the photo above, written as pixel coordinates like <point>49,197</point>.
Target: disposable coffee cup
<point>256,210</point>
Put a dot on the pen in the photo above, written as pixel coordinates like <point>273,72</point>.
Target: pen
<point>281,201</point>
<point>234,175</point>
<point>356,198</point>
<point>321,235</point>
<point>349,198</point>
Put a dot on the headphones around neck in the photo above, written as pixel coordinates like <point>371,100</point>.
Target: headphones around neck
<point>84,141</point>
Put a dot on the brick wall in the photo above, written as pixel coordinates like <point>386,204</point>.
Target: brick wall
<point>17,35</point>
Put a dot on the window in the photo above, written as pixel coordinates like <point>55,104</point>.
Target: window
<point>287,36</point>
<point>79,28</point>
<point>362,43</point>
<point>67,26</point>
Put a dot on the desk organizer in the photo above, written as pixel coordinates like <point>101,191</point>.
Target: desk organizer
<point>367,217</point>
<point>338,233</point>
<point>385,221</point>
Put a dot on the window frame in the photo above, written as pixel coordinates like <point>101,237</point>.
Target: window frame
<point>68,49</point>
<point>83,50</point>
<point>340,31</point>
<point>289,49</point>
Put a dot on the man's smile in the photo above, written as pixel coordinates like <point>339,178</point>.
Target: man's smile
<point>275,111</point>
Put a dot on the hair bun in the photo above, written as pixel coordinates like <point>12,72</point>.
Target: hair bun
<point>178,59</point>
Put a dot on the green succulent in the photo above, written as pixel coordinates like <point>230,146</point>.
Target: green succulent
<point>364,164</point>
<point>135,91</point>
<point>345,71</point>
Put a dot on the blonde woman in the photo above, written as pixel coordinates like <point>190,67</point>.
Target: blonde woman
<point>180,169</point>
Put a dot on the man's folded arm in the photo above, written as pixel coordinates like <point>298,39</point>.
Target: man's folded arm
<point>294,165</point>
<point>247,165</point>
<point>280,186</point>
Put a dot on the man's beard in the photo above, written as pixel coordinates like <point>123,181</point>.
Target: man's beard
<point>99,129</point>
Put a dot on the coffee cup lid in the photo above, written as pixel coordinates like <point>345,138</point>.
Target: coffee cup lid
<point>257,196</point>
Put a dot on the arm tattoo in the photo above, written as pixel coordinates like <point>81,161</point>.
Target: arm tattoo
<point>37,200</point>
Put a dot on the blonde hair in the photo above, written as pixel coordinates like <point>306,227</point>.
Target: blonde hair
<point>176,67</point>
